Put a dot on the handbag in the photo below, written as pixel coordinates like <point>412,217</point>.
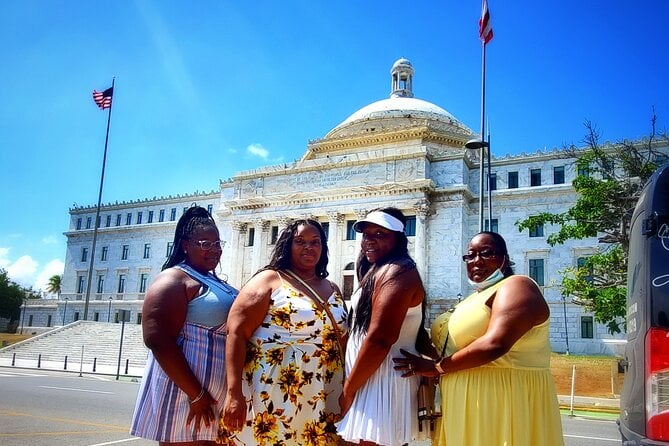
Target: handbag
<point>429,400</point>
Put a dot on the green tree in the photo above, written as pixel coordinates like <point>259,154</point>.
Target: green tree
<point>54,284</point>
<point>11,298</point>
<point>609,182</point>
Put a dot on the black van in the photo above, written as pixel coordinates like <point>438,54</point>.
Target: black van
<point>644,402</point>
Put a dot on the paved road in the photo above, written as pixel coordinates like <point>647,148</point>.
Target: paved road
<point>47,408</point>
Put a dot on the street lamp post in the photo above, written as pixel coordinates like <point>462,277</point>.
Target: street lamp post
<point>23,318</point>
<point>109,309</point>
<point>65,311</point>
<point>566,331</point>
<point>481,145</point>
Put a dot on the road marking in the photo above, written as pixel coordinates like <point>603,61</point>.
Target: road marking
<point>76,390</point>
<point>10,374</point>
<point>117,441</point>
<point>614,440</point>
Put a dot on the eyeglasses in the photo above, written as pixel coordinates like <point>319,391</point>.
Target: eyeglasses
<point>207,245</point>
<point>484,255</point>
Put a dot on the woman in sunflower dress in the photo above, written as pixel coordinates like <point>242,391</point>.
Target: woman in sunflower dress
<point>284,350</point>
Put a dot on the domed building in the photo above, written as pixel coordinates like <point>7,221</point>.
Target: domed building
<point>400,151</point>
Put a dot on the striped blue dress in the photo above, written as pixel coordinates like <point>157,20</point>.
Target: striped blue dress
<point>162,407</point>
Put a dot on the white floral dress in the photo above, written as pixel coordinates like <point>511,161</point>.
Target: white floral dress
<point>293,374</point>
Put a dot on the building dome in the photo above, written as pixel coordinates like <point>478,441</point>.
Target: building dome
<point>400,109</point>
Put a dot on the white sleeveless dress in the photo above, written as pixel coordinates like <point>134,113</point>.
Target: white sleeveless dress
<point>384,409</point>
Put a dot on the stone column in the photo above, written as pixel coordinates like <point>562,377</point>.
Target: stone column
<point>422,209</point>
<point>237,245</point>
<point>334,246</point>
<point>262,230</point>
<point>359,215</point>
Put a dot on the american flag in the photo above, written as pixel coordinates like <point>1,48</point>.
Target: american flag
<point>485,27</point>
<point>103,99</point>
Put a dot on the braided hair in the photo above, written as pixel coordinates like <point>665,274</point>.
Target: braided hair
<point>366,272</point>
<point>194,218</point>
<point>281,254</point>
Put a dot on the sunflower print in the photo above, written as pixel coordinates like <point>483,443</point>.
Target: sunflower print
<point>293,374</point>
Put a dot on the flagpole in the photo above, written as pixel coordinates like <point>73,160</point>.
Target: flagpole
<point>483,143</point>
<point>489,182</point>
<point>97,213</point>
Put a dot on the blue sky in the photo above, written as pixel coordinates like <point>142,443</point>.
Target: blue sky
<point>205,89</point>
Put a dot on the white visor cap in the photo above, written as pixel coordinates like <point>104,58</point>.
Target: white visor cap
<point>382,219</point>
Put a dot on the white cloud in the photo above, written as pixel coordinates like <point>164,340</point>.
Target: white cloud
<point>257,150</point>
<point>50,240</point>
<point>53,268</point>
<point>23,271</point>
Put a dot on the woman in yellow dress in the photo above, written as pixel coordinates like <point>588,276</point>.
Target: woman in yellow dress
<point>495,380</point>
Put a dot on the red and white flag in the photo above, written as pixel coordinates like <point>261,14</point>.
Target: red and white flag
<point>103,99</point>
<point>485,26</point>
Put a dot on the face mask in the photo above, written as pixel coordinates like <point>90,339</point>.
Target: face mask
<point>485,283</point>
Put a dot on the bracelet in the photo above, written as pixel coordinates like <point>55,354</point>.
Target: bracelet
<point>198,397</point>
<point>437,365</point>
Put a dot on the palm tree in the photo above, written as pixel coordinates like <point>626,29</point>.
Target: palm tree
<point>54,284</point>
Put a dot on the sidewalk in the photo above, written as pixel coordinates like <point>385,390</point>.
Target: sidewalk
<point>73,366</point>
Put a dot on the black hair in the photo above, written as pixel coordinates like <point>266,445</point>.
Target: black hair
<point>194,218</point>
<point>281,254</point>
<point>366,271</point>
<point>500,248</point>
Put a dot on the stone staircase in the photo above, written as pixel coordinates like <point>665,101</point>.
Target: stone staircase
<point>85,344</point>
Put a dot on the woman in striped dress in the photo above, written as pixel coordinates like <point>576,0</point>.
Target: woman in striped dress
<point>183,324</point>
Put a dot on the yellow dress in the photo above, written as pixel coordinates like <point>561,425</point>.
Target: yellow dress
<point>510,401</point>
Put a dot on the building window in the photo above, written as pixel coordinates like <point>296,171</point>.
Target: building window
<point>185,209</point>
<point>170,248</point>
<point>128,219</point>
<point>98,221</point>
<point>535,177</point>
<point>150,219</point>
<point>587,327</point>
<point>410,226</point>
<point>326,228</point>
<point>210,209</point>
<point>89,221</point>
<point>537,230</point>
<point>30,320</point>
<point>143,279</point>
<point>581,263</point>
<point>81,281</point>
<point>96,316</point>
<point>558,175</point>
<point>84,254</point>
<point>537,271</point>
<point>161,215</point>
<point>101,284</point>
<point>104,253</point>
<point>147,250</point>
<point>350,232</point>
<point>252,235</point>
<point>118,219</point>
<point>493,181</point>
<point>495,225</point>
<point>121,283</point>
<point>48,320</point>
<point>583,171</point>
<point>78,223</point>
<point>76,316</point>
<point>108,222</point>
<point>173,214</point>
<point>513,180</point>
<point>139,217</point>
<point>274,235</point>
<point>124,252</point>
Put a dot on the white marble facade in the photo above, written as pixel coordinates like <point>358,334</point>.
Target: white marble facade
<point>401,152</point>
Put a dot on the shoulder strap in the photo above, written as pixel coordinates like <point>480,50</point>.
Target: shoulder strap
<point>321,305</point>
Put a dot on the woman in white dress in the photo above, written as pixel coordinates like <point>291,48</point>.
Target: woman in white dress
<point>379,406</point>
